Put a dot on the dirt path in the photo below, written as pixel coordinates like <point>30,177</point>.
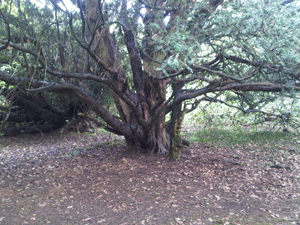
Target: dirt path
<point>76,179</point>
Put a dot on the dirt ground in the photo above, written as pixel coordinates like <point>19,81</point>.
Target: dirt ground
<point>91,179</point>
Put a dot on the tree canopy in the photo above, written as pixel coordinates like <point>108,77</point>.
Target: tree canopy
<point>148,58</point>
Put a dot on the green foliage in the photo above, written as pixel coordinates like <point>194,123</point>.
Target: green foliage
<point>239,137</point>
<point>249,29</point>
<point>279,113</point>
<point>2,84</point>
<point>40,25</point>
<point>266,30</point>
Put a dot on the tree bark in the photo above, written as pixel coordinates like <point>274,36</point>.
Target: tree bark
<point>176,141</point>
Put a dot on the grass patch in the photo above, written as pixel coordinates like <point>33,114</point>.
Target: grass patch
<point>239,137</point>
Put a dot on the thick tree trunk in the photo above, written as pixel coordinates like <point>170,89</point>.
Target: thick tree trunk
<point>177,117</point>
<point>141,106</point>
<point>34,113</point>
<point>153,140</point>
<point>150,137</point>
<point>175,133</point>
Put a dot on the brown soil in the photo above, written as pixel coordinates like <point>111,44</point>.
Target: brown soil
<point>75,179</point>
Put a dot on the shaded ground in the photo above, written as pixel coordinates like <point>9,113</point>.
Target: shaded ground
<point>76,179</point>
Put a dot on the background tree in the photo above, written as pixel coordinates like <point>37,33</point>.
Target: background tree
<point>156,58</point>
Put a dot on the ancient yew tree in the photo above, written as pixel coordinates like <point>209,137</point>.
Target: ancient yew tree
<point>157,59</point>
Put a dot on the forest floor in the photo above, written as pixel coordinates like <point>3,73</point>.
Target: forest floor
<point>91,179</point>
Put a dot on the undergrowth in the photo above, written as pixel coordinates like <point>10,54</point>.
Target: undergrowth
<point>225,137</point>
